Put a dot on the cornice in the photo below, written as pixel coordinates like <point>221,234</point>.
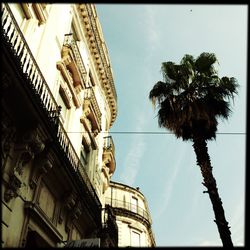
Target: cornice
<point>100,55</point>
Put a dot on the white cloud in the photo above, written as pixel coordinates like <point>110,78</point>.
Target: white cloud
<point>135,154</point>
<point>151,28</point>
<point>209,243</point>
<point>237,225</point>
<point>132,162</point>
<point>168,188</point>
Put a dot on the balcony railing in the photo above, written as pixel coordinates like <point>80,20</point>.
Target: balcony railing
<point>70,42</point>
<point>109,144</point>
<point>109,153</point>
<point>133,209</point>
<point>34,78</point>
<point>90,95</point>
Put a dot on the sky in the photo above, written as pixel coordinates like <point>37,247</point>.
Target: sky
<point>139,38</point>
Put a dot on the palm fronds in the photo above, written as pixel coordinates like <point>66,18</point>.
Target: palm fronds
<point>192,96</point>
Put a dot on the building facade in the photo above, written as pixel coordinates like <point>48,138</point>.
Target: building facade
<point>58,103</point>
<point>132,215</point>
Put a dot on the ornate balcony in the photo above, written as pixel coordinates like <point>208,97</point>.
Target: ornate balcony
<point>91,109</point>
<point>34,83</point>
<point>91,118</point>
<point>121,207</point>
<point>109,154</point>
<point>72,58</point>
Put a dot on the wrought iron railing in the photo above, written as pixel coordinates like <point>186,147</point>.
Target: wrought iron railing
<point>90,95</point>
<point>109,144</point>
<point>70,42</point>
<point>20,49</point>
<point>127,206</point>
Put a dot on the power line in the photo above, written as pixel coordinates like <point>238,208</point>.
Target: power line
<point>162,133</point>
<point>153,132</point>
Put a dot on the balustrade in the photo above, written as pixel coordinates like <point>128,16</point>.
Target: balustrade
<point>70,42</point>
<point>109,143</point>
<point>90,95</point>
<point>114,203</point>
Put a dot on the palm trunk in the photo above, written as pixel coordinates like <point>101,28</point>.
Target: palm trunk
<point>203,160</point>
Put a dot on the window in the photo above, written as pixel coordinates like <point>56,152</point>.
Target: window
<point>124,201</point>
<point>91,79</point>
<point>74,32</point>
<point>134,204</point>
<point>83,156</point>
<point>135,238</point>
<point>61,103</point>
<point>47,201</point>
<point>75,28</point>
<point>36,10</point>
<point>41,12</point>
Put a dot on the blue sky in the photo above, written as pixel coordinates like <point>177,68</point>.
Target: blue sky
<point>139,38</point>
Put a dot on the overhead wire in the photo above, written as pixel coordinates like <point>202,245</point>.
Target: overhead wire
<point>153,132</point>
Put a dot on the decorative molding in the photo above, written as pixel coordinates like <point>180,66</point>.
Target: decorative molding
<point>70,200</point>
<point>90,134</point>
<point>106,177</point>
<point>73,206</point>
<point>12,188</point>
<point>109,161</point>
<point>36,10</point>
<point>77,211</point>
<point>25,157</point>
<point>29,146</point>
<point>108,156</point>
<point>91,118</point>
<point>71,46</point>
<point>68,203</point>
<point>65,93</point>
<point>74,214</point>
<point>99,53</point>
<point>105,171</point>
<point>37,213</point>
<point>8,136</point>
<point>70,85</point>
<point>43,164</point>
<point>86,140</point>
<point>91,110</point>
<point>69,61</point>
<point>40,11</point>
<point>27,10</point>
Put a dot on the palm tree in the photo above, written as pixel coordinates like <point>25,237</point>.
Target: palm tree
<point>190,100</point>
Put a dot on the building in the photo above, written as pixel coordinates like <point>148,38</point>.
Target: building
<point>132,215</point>
<point>58,103</point>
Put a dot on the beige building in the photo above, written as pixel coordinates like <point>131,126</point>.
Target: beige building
<point>58,103</point>
<point>132,215</point>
